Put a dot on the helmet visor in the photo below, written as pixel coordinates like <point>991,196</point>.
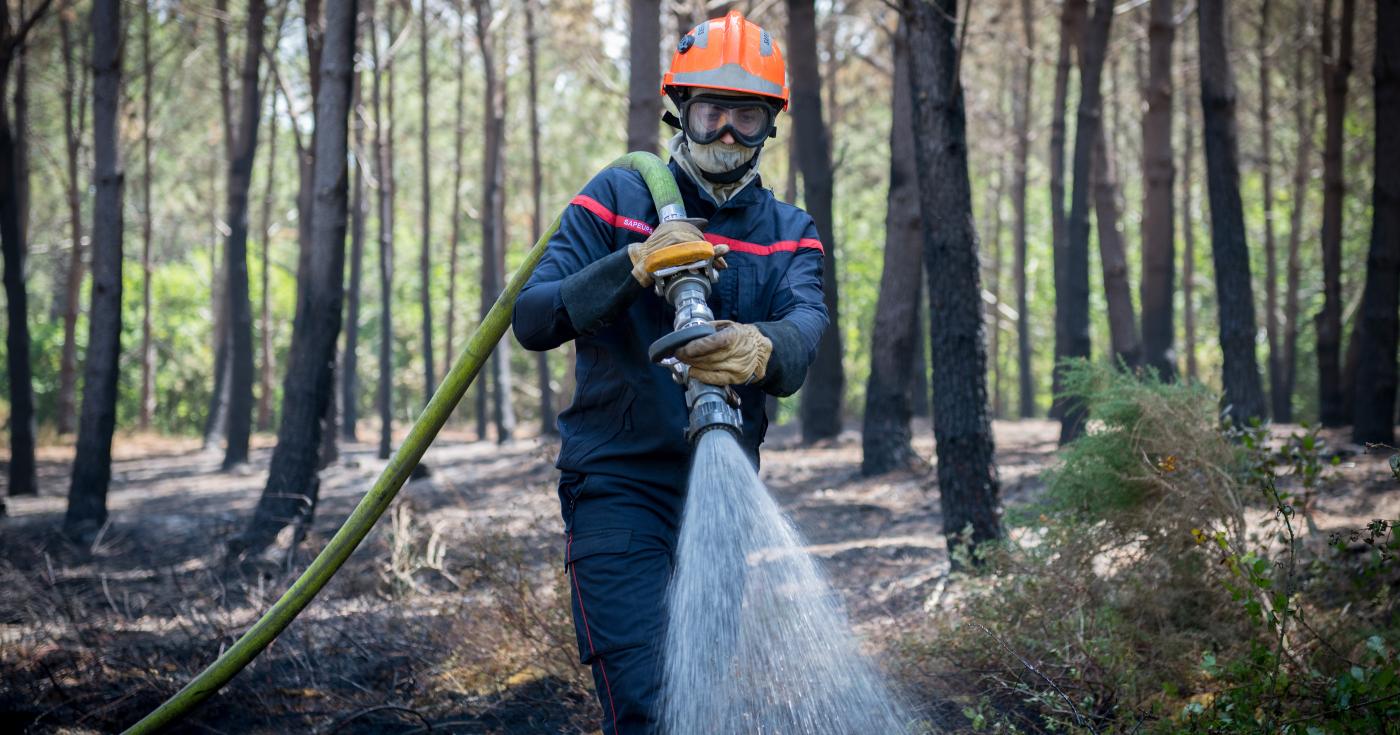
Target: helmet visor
<point>707,119</point>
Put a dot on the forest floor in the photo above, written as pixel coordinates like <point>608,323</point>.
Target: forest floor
<point>452,617</point>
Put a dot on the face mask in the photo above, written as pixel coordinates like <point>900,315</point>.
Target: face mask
<point>718,158</point>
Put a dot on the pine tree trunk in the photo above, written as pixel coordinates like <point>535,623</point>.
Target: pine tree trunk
<point>458,136</point>
<point>266,369</point>
<point>967,481</point>
<point>216,419</point>
<point>1021,118</point>
<point>1113,257</point>
<point>240,405</point>
<point>349,362</point>
<point>1072,14</point>
<point>548,417</point>
<point>1235,293</point>
<point>13,209</point>
<point>1188,233</point>
<point>1266,171</point>
<point>643,75</point>
<point>918,357</point>
<point>1378,331</point>
<point>1075,272</point>
<point>493,238</point>
<point>1337,63</point>
<point>885,434</point>
<point>425,255</point>
<point>822,396</point>
<point>384,155</point>
<point>1158,282</point>
<point>74,114</point>
<point>92,461</point>
<point>148,351</point>
<point>1305,122</point>
<point>292,486</point>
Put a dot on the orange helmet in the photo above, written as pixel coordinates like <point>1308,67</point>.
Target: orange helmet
<point>729,54</point>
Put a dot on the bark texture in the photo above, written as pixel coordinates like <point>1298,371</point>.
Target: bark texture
<point>74,120</point>
<point>384,158</point>
<point>240,307</point>
<point>1378,332</point>
<point>548,417</point>
<point>821,396</point>
<point>1244,397</point>
<point>350,362</point>
<point>644,75</point>
<point>1113,258</point>
<point>886,434</point>
<point>493,223</point>
<point>1158,284</point>
<point>425,252</point>
<point>92,460</point>
<point>1266,172</point>
<point>1305,121</point>
<point>967,482</point>
<point>1337,62</point>
<point>1072,292</point>
<point>1071,18</point>
<point>1025,84</point>
<point>292,486</point>
<point>148,353</point>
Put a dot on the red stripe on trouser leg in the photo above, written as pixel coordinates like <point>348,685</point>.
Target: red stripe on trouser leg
<point>578,592</point>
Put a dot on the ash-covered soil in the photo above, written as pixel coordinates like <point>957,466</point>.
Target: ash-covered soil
<point>452,617</point>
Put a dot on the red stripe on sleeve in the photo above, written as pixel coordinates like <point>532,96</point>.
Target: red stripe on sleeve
<point>738,246</point>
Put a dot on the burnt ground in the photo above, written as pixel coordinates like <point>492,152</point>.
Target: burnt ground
<point>449,618</point>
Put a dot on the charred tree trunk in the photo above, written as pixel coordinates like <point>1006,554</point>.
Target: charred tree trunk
<point>886,434</point>
<point>1158,283</point>
<point>240,308</point>
<point>74,117</point>
<point>644,76</point>
<point>967,481</point>
<point>148,351</point>
<point>292,486</point>
<point>1071,19</point>
<point>425,253</point>
<point>1378,331</point>
<point>1188,232</point>
<point>825,388</point>
<point>493,240</point>
<point>1021,106</point>
<point>1266,170</point>
<point>1074,278</point>
<point>1113,257</point>
<point>1243,393</point>
<point>1336,63</point>
<point>349,363</point>
<point>1305,120</point>
<point>548,419</point>
<point>13,204</point>
<point>265,370</point>
<point>92,461</point>
<point>216,420</point>
<point>384,155</point>
<point>458,135</point>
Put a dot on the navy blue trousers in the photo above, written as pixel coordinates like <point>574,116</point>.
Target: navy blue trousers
<point>620,541</point>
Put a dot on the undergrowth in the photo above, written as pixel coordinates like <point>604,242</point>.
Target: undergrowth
<point>1171,580</point>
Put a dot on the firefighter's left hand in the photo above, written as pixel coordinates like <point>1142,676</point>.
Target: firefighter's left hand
<point>737,354</point>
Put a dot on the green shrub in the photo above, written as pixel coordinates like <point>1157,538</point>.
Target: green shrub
<point>1162,583</point>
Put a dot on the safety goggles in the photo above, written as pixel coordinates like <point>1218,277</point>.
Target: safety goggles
<point>706,119</point>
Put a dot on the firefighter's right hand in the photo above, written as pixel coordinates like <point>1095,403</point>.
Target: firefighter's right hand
<point>672,232</point>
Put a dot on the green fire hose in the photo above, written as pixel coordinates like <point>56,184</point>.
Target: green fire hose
<point>667,199</point>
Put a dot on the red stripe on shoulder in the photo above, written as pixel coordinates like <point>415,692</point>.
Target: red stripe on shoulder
<point>610,217</point>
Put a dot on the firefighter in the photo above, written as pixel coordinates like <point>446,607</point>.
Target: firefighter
<point>624,457</point>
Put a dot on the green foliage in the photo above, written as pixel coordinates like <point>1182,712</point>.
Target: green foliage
<point>1166,583</point>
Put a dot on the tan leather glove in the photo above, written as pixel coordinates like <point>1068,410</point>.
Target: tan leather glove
<point>666,234</point>
<point>737,354</point>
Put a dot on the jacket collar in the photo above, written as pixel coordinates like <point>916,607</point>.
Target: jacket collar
<point>699,203</point>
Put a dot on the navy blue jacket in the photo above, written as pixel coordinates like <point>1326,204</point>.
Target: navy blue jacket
<point>628,416</point>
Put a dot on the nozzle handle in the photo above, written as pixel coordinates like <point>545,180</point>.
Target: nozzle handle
<point>667,346</point>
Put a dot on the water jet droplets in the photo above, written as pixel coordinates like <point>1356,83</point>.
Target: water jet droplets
<point>758,643</point>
